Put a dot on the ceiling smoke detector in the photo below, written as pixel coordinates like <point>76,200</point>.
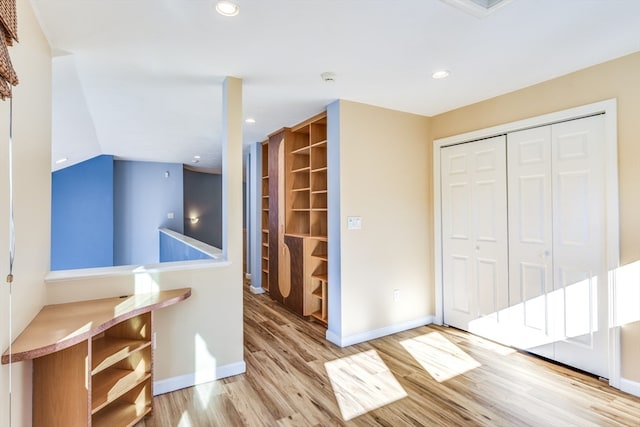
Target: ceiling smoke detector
<point>478,8</point>
<point>328,76</point>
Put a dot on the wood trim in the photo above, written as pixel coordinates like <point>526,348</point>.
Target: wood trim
<point>61,326</point>
<point>319,116</point>
<point>281,130</point>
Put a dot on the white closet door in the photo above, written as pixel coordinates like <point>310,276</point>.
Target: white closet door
<point>556,243</point>
<point>474,234</point>
<point>530,239</point>
<point>580,296</point>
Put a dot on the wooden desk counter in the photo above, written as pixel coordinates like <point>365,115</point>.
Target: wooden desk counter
<point>92,360</point>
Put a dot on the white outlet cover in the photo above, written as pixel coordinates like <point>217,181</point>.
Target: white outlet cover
<point>170,215</point>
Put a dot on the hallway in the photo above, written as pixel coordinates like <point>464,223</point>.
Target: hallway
<point>423,377</point>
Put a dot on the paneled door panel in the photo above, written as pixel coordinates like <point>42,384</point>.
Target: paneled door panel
<point>556,238</point>
<point>488,287</point>
<point>579,261</point>
<point>461,289</point>
<point>530,239</point>
<point>474,234</point>
<point>457,166</point>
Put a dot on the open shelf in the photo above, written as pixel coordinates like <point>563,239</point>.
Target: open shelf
<point>115,382</point>
<point>264,151</point>
<point>302,150</point>
<point>126,410</point>
<point>319,316</point>
<point>108,351</point>
<point>121,368</point>
<point>320,250</point>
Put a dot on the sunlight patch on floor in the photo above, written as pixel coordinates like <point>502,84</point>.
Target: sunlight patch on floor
<point>439,356</point>
<point>185,420</point>
<point>362,383</point>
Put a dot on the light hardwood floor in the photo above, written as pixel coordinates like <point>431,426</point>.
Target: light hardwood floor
<point>286,383</point>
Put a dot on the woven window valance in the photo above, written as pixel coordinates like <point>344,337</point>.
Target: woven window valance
<point>8,34</point>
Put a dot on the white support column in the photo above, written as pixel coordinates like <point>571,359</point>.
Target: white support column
<point>231,178</point>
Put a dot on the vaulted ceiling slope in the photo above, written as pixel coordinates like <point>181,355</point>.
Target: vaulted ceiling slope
<point>141,79</point>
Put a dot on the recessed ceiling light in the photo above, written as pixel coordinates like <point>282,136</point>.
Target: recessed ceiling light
<point>227,8</point>
<point>440,74</point>
<point>62,160</point>
<point>196,157</point>
<point>250,120</point>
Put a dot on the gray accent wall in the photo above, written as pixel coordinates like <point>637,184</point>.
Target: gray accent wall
<point>203,200</point>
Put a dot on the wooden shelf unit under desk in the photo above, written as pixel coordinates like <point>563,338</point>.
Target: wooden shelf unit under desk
<point>93,360</point>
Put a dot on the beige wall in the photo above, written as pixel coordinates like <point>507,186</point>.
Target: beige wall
<point>32,183</point>
<point>201,333</point>
<point>619,79</point>
<point>384,178</point>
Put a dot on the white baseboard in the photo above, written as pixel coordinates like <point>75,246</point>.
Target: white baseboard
<point>377,333</point>
<point>189,380</point>
<point>631,387</point>
<point>256,291</point>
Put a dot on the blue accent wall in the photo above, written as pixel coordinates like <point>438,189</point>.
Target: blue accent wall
<point>144,196</point>
<point>333,183</point>
<point>82,215</point>
<point>174,250</point>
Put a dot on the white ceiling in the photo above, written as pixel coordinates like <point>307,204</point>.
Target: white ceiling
<point>141,79</point>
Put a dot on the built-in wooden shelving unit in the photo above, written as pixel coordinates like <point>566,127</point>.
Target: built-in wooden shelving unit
<point>265,216</point>
<point>298,244</point>
<point>306,200</point>
<point>92,360</point>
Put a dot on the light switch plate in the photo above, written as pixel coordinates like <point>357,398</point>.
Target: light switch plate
<point>354,223</point>
<point>170,215</point>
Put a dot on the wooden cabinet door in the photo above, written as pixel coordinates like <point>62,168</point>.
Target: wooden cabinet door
<point>295,248</point>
